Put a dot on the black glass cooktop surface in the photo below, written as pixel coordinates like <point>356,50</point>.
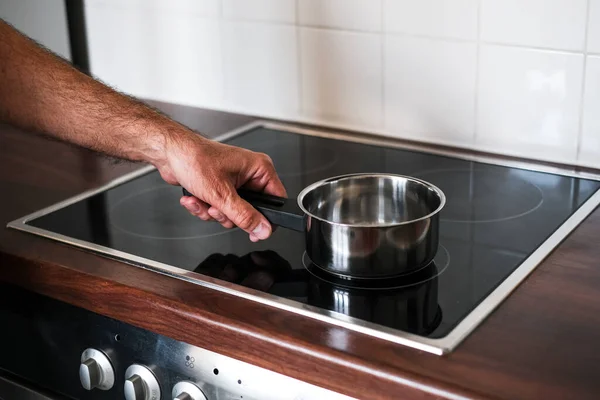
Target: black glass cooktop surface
<point>494,219</point>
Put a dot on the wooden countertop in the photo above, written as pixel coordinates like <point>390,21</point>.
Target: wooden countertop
<point>542,342</point>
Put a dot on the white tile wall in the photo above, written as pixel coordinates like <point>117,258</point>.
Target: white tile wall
<point>529,101</point>
<point>430,88</point>
<point>201,8</point>
<point>360,15</point>
<point>261,68</point>
<point>554,24</point>
<point>261,10</point>
<point>593,44</point>
<point>589,153</point>
<point>341,76</point>
<point>507,76</point>
<point>439,18</point>
<point>125,55</point>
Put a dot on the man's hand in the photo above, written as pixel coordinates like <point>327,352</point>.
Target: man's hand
<point>213,172</point>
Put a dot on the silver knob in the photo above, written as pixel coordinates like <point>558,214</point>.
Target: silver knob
<point>96,371</point>
<point>89,374</point>
<point>135,388</point>
<point>186,390</point>
<point>141,384</point>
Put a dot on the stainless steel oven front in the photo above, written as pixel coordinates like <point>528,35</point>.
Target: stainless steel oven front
<point>67,352</point>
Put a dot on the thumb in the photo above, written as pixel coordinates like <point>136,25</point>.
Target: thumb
<point>246,217</point>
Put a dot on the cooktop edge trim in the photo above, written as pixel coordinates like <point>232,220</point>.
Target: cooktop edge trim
<point>476,316</point>
<point>438,346</point>
<point>172,271</point>
<point>397,143</point>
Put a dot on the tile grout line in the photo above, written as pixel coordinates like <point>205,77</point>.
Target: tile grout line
<point>583,84</point>
<point>411,35</point>
<point>537,48</point>
<point>393,33</point>
<point>299,79</point>
<point>382,43</point>
<point>398,33</point>
<point>408,34</point>
<point>221,21</point>
<point>477,73</point>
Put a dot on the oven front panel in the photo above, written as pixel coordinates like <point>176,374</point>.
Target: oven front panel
<point>42,341</point>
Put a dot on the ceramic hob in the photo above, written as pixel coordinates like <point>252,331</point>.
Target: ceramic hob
<point>500,221</point>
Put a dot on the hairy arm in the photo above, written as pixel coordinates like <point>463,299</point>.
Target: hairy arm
<point>41,92</point>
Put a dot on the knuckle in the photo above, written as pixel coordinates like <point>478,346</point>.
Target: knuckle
<point>244,218</point>
<point>202,213</point>
<point>265,160</point>
<point>217,215</point>
<point>219,194</point>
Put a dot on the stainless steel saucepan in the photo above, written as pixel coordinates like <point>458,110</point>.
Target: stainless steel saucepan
<point>361,225</point>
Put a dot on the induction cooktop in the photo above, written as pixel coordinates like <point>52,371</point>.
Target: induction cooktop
<point>500,221</point>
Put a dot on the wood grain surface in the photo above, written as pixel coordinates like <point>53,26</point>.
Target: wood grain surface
<point>541,343</point>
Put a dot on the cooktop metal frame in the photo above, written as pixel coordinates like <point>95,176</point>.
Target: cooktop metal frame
<point>438,346</point>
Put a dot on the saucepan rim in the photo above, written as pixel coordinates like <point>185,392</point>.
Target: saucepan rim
<point>322,182</point>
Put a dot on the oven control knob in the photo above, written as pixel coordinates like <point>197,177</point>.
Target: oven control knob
<point>141,384</point>
<point>95,370</point>
<point>186,390</point>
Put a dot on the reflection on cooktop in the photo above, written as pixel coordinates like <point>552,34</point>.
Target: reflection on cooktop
<point>411,305</point>
<point>257,270</point>
<point>429,271</point>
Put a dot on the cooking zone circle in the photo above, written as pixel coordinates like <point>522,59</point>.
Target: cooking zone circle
<point>480,196</point>
<point>418,277</point>
<point>156,214</point>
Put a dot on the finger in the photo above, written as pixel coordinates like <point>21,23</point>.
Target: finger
<point>270,185</point>
<point>275,187</point>
<point>242,214</point>
<point>196,207</point>
<point>220,217</point>
<point>254,238</point>
<point>267,180</point>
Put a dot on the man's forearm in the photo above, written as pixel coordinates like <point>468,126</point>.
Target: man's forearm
<point>43,93</point>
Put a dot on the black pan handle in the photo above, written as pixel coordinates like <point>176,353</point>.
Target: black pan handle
<point>278,210</point>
